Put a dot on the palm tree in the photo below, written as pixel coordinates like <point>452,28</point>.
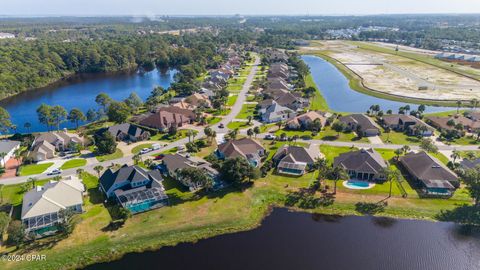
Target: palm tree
<point>17,154</point>
<point>459,103</point>
<point>80,172</point>
<point>32,181</point>
<point>405,149</point>
<point>250,132</point>
<point>474,103</point>
<point>98,169</point>
<point>321,165</point>
<point>390,176</point>
<point>233,134</point>
<point>250,118</point>
<point>256,130</point>
<point>455,154</point>
<point>339,173</point>
<point>137,158</point>
<point>148,162</point>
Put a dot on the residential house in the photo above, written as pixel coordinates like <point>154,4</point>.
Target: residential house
<point>8,147</point>
<point>199,100</point>
<point>46,144</point>
<point>294,160</point>
<point>247,148</point>
<point>276,113</point>
<point>364,164</point>
<point>171,164</point>
<point>166,117</point>
<point>277,83</point>
<point>470,163</point>
<point>43,205</point>
<point>433,177</point>
<point>294,101</point>
<point>361,124</point>
<point>304,120</point>
<point>406,123</point>
<point>128,132</point>
<point>443,123</point>
<point>134,188</point>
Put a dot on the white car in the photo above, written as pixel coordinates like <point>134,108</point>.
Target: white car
<point>145,150</point>
<point>270,137</point>
<point>155,146</point>
<point>55,172</point>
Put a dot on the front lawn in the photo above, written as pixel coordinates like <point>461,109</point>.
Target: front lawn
<point>33,169</point>
<point>247,110</point>
<point>400,138</point>
<point>139,147</point>
<point>231,100</point>
<point>74,163</point>
<point>118,154</point>
<point>238,124</point>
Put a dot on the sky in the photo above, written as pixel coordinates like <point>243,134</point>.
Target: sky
<point>231,7</point>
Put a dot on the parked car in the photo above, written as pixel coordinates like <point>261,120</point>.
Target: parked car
<point>181,147</point>
<point>155,146</point>
<point>221,125</point>
<point>270,137</point>
<point>55,172</point>
<point>159,157</point>
<point>145,150</point>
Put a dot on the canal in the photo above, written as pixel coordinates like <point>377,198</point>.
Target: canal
<point>340,97</point>
<point>290,240</point>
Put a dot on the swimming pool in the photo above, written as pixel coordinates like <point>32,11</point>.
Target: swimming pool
<point>356,184</point>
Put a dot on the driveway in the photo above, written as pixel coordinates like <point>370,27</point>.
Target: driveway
<point>375,140</point>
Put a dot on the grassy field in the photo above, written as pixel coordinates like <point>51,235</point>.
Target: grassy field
<point>317,102</point>
<point>118,154</point>
<point>196,216</point>
<point>231,100</point>
<point>237,124</point>
<point>33,169</point>
<point>74,163</point>
<point>213,120</point>
<point>393,137</point>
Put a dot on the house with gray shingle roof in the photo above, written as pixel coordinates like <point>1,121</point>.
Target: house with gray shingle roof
<point>250,149</point>
<point>128,132</point>
<point>294,160</point>
<point>361,124</point>
<point>433,177</point>
<point>134,188</point>
<point>364,164</point>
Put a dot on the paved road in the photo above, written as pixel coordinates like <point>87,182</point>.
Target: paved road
<point>237,107</point>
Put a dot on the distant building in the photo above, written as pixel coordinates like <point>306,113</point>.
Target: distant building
<point>6,35</point>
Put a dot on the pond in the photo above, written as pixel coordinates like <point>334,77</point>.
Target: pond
<point>340,97</point>
<point>291,240</point>
<point>80,92</point>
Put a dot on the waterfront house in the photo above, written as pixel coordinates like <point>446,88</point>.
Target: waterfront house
<point>361,124</point>
<point>134,188</point>
<point>432,176</point>
<point>294,160</point>
<point>8,147</point>
<point>248,148</point>
<point>303,121</point>
<point>449,123</point>
<point>42,206</point>
<point>363,164</point>
<point>172,164</point>
<point>128,132</point>
<point>166,117</point>
<point>47,144</point>
<point>406,123</point>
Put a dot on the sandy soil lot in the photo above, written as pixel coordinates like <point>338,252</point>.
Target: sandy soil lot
<point>402,76</point>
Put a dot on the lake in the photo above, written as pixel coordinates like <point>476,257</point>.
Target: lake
<point>340,97</point>
<point>80,92</point>
<point>290,240</point>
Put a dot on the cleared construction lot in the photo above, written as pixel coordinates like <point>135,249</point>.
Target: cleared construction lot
<point>402,76</point>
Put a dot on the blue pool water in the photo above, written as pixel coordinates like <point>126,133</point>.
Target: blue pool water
<point>357,184</point>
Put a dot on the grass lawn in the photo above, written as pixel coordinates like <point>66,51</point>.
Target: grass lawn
<point>139,147</point>
<point>231,100</point>
<point>74,163</point>
<point>393,137</point>
<point>213,120</point>
<point>192,217</point>
<point>33,169</point>
<point>238,124</point>
<point>441,157</point>
<point>466,140</point>
<point>118,154</point>
<point>234,87</point>
<point>331,152</point>
<point>247,110</point>
<point>317,102</point>
<point>182,133</point>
